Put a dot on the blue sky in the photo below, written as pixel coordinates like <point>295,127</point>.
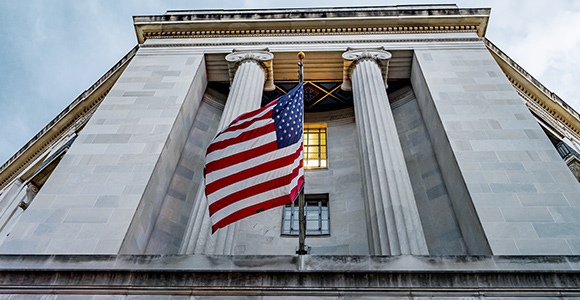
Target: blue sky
<point>51,51</point>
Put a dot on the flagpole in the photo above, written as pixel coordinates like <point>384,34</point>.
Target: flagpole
<point>301,200</point>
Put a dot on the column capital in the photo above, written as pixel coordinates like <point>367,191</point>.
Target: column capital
<point>353,56</point>
<point>263,57</point>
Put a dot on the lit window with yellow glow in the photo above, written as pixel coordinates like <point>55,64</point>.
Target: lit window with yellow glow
<point>315,146</point>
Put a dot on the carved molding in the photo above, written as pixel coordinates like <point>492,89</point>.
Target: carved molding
<point>293,42</point>
<point>263,58</point>
<point>308,31</point>
<point>353,56</point>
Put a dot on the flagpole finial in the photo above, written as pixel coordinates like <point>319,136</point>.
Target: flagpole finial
<point>300,64</point>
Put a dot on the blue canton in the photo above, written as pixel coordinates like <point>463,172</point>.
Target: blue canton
<point>287,116</point>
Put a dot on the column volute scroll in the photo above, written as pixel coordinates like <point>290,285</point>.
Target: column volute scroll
<point>352,57</point>
<point>263,58</point>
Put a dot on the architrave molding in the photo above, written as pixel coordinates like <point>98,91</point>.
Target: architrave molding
<point>322,42</point>
<point>310,32</point>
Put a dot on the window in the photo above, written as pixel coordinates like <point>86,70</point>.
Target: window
<point>317,218</point>
<point>315,146</point>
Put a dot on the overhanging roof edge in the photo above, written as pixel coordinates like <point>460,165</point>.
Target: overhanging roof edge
<point>317,18</point>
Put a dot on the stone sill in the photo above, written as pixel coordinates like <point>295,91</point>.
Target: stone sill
<point>306,263</point>
<point>261,276</point>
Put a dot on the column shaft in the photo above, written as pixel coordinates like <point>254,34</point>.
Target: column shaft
<point>395,226</point>
<point>245,95</point>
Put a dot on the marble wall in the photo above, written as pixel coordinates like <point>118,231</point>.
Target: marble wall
<point>500,168</point>
<point>103,196</point>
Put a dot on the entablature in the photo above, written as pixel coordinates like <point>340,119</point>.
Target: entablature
<point>312,21</point>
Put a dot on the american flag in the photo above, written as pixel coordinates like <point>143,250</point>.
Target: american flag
<point>255,163</point>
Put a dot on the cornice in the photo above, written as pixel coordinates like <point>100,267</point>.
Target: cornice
<point>293,42</point>
<point>75,115</point>
<point>307,32</point>
<point>537,95</point>
<point>282,22</point>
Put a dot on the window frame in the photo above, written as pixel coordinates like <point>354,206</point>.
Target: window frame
<point>322,202</point>
<point>321,130</point>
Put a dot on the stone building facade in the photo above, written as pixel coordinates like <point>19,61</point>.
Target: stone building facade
<point>435,166</point>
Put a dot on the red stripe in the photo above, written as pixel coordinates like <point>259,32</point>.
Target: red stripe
<point>246,136</point>
<point>296,189</point>
<point>240,157</point>
<point>253,190</point>
<point>254,209</point>
<point>253,113</point>
<point>247,173</point>
<point>246,124</point>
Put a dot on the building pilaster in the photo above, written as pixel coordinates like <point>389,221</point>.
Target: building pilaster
<point>393,221</point>
<point>252,73</point>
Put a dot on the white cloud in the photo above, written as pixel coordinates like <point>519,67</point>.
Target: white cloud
<point>549,42</point>
<point>550,51</point>
<point>52,51</point>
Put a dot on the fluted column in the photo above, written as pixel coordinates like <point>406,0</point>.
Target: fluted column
<point>251,73</point>
<point>393,221</point>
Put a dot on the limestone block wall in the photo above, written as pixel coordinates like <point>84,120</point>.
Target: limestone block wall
<point>105,194</point>
<point>260,234</point>
<point>170,227</point>
<point>438,219</point>
<point>499,167</point>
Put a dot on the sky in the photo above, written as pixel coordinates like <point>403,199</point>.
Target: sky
<point>51,51</point>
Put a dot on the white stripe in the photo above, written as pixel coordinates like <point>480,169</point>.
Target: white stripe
<point>295,164</point>
<point>233,169</point>
<point>232,134</point>
<point>240,147</point>
<point>239,122</point>
<point>252,181</point>
<point>256,199</point>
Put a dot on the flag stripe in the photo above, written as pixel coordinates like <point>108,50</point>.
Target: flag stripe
<point>240,147</point>
<point>256,198</point>
<point>240,214</point>
<point>227,205</point>
<point>247,126</point>
<point>244,183</point>
<point>241,157</point>
<point>266,115</point>
<point>249,116</point>
<point>244,136</point>
<point>245,173</point>
<point>229,168</point>
<point>256,162</point>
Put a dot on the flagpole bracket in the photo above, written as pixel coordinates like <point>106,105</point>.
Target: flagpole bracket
<point>304,251</point>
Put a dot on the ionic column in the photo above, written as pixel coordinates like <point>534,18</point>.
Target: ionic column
<point>392,218</point>
<point>250,74</point>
